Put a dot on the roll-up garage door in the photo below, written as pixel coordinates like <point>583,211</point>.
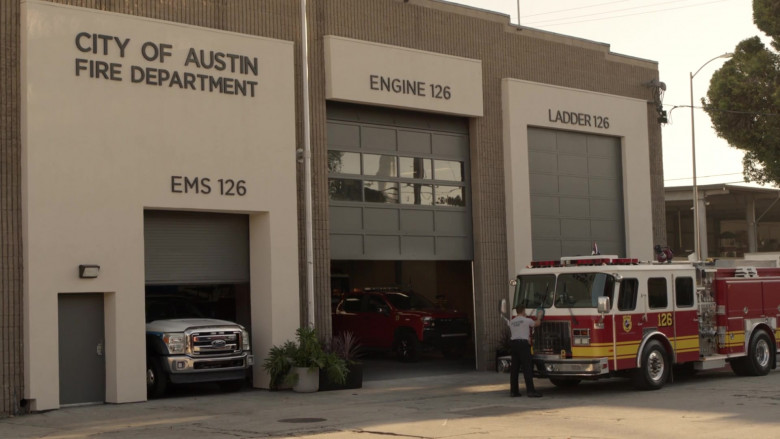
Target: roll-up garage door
<point>398,185</point>
<point>196,248</point>
<point>576,185</point>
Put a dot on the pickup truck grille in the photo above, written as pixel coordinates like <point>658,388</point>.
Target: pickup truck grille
<point>457,325</point>
<point>208,343</point>
<point>552,338</point>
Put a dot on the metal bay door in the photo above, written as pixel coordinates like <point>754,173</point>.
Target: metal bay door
<point>81,349</point>
<point>576,182</point>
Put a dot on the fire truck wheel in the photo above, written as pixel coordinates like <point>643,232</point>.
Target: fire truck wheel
<point>654,369</point>
<point>407,347</point>
<point>759,354</point>
<point>740,366</point>
<point>564,382</point>
<point>156,379</point>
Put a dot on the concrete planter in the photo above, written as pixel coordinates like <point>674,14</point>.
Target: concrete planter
<point>308,379</point>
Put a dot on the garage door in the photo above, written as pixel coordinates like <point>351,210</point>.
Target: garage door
<point>576,185</point>
<point>398,185</point>
<point>196,248</point>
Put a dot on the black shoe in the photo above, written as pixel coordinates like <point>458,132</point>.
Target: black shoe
<point>534,395</point>
<point>515,394</point>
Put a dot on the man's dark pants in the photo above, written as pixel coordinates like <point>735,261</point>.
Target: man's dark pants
<point>521,357</point>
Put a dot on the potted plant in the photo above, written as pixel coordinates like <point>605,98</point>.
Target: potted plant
<point>346,347</point>
<point>298,363</point>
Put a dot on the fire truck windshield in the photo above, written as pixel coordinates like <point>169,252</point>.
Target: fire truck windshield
<point>533,291</point>
<point>582,290</point>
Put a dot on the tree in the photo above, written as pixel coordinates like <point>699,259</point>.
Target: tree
<point>743,100</point>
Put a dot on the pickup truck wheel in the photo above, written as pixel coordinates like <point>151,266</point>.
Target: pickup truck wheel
<point>408,348</point>
<point>654,370</point>
<point>156,379</point>
<point>760,353</point>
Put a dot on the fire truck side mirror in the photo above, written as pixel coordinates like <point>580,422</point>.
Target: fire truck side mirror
<point>604,305</point>
<point>502,306</point>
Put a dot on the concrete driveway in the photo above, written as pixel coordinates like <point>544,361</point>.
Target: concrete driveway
<point>460,405</point>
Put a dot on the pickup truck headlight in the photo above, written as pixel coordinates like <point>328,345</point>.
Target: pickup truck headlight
<point>246,346</point>
<point>428,322</point>
<point>175,342</point>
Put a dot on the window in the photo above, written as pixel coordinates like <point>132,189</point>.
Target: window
<point>419,194</point>
<point>450,196</point>
<point>341,189</point>
<point>351,304</point>
<point>536,290</point>
<point>377,165</point>
<point>391,179</point>
<point>414,167</point>
<point>628,293</point>
<point>656,293</point>
<point>683,292</point>
<point>582,290</point>
<point>376,304</point>
<point>380,191</point>
<point>340,162</point>
<point>448,170</point>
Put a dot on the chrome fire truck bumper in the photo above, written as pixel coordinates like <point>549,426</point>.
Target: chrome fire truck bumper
<point>570,367</point>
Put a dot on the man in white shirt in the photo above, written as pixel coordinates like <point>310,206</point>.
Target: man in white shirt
<point>520,326</point>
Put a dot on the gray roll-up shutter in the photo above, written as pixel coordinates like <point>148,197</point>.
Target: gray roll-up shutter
<point>195,248</point>
<point>576,194</point>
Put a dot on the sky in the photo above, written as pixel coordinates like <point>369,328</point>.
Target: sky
<point>681,35</point>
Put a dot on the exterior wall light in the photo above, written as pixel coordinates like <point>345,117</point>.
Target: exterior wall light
<point>89,271</point>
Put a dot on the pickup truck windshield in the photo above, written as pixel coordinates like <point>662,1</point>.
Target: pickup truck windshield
<point>407,301</point>
<point>582,290</point>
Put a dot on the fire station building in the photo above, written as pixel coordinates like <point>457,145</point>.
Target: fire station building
<point>155,147</point>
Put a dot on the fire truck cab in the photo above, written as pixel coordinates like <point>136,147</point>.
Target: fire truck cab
<point>608,316</point>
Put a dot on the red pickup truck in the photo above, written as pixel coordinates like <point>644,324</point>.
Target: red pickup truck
<point>402,321</point>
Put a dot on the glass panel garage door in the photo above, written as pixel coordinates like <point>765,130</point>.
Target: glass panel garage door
<point>398,185</point>
<point>576,185</point>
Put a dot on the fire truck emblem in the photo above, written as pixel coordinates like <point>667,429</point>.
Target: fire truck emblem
<point>627,323</point>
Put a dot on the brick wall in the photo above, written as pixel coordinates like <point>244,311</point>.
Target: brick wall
<point>11,353</point>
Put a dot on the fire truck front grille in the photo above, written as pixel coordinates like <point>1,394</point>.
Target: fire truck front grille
<point>207,343</point>
<point>552,338</point>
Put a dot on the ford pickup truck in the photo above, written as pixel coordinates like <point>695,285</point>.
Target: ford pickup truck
<point>184,347</point>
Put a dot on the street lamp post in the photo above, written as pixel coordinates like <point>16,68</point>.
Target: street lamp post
<point>696,237</point>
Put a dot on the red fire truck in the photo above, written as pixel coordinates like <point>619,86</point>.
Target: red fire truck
<point>608,316</point>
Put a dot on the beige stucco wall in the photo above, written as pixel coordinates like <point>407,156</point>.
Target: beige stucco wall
<point>359,71</point>
<point>528,104</point>
<point>97,152</point>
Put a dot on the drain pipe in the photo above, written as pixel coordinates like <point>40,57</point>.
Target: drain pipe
<point>307,169</point>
